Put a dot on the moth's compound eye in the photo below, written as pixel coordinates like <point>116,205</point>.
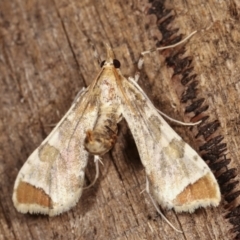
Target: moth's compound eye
<point>116,63</point>
<point>102,63</point>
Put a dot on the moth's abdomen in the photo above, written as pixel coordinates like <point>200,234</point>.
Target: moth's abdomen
<point>98,143</point>
<point>104,135</point>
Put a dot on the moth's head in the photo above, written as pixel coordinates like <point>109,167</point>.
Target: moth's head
<point>110,61</point>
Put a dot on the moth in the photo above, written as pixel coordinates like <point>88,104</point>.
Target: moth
<point>52,179</point>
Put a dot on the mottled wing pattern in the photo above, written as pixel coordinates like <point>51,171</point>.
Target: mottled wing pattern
<point>51,180</point>
<point>172,166</point>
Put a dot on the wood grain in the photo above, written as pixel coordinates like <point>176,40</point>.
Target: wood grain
<point>46,58</point>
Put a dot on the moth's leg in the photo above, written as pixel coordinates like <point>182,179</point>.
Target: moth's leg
<point>157,208</point>
<point>97,159</point>
<point>177,121</point>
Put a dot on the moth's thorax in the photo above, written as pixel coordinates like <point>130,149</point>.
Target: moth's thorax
<point>104,134</point>
<point>107,84</point>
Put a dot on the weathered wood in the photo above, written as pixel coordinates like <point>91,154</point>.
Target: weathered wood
<point>46,58</point>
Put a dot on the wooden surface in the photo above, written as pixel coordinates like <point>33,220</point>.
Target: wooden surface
<point>46,58</point>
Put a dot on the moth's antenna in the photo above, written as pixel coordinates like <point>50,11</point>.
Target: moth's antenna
<point>169,46</point>
<point>141,59</point>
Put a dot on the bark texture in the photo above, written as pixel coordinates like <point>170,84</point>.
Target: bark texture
<point>46,58</point>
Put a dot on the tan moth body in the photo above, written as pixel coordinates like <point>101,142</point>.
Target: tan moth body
<point>51,180</point>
